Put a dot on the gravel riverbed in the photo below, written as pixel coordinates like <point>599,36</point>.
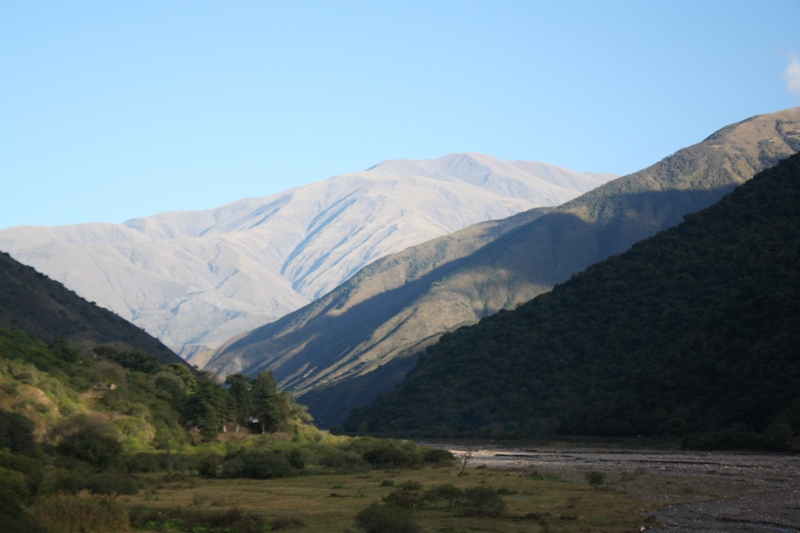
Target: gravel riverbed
<point>682,491</point>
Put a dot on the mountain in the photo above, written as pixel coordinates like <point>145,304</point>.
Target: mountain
<point>196,279</point>
<point>358,341</point>
<point>693,331</point>
<point>44,310</point>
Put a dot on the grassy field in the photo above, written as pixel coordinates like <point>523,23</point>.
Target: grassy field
<point>330,502</point>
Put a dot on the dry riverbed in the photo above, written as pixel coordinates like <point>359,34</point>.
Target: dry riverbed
<point>684,491</point>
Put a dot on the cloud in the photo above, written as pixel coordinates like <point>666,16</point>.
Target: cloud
<point>792,75</point>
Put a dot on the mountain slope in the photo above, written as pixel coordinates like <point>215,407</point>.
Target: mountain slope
<point>329,369</point>
<point>45,309</point>
<point>196,279</point>
<point>693,330</point>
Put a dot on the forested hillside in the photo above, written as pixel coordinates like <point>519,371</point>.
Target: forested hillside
<point>693,332</point>
<point>45,310</point>
<point>358,341</point>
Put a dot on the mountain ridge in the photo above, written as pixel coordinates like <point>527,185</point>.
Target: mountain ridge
<point>533,258</point>
<point>690,333</point>
<point>203,277</point>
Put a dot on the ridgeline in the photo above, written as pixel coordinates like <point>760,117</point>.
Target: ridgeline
<point>692,333</point>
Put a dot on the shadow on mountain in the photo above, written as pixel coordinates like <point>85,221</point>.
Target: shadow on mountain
<point>539,254</point>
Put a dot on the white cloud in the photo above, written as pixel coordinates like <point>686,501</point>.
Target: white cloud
<point>792,75</point>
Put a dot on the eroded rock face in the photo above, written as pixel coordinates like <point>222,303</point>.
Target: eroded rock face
<point>196,279</point>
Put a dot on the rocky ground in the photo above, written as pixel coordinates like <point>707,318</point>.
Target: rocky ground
<point>682,491</point>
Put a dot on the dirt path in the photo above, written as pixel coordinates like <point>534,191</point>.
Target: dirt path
<point>684,491</point>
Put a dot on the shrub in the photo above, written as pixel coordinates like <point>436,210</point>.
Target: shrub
<point>30,468</point>
<point>92,446</point>
<point>16,433</point>
<point>480,501</point>
<point>143,462</point>
<point>342,461</point>
<point>594,478</point>
<point>209,466</point>
<point>13,493</point>
<point>387,453</point>
<point>257,465</point>
<point>100,484</point>
<point>233,520</point>
<point>383,519</point>
<point>437,456</point>
<point>72,514</point>
<point>447,492</point>
<point>406,500</point>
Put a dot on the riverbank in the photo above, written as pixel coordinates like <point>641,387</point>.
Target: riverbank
<point>686,490</point>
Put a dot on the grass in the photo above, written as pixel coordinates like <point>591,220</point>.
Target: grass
<point>309,504</point>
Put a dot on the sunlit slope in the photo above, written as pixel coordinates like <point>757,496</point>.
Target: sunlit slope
<point>329,352</point>
<point>691,332</point>
<point>196,279</point>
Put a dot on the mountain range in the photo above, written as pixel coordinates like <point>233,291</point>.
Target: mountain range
<point>358,341</point>
<point>691,333</point>
<point>196,279</point>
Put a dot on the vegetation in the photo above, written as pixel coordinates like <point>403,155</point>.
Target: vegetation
<point>47,311</point>
<point>79,432</point>
<point>691,334</point>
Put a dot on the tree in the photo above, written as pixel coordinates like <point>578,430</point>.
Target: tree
<point>239,393</point>
<point>207,407</point>
<point>264,392</point>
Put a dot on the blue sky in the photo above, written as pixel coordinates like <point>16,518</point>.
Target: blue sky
<point>112,110</point>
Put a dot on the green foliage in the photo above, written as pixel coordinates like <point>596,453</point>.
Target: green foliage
<point>594,478</point>
<point>386,519</point>
<point>256,464</point>
<point>133,359</point>
<point>91,445</point>
<point>13,493</point>
<point>16,433</point>
<point>231,521</point>
<point>241,396</point>
<point>71,482</point>
<point>480,501</point>
<point>60,513</point>
<point>690,332</point>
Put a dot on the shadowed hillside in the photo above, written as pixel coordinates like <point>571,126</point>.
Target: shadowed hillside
<point>45,309</point>
<point>691,332</point>
<point>329,368</point>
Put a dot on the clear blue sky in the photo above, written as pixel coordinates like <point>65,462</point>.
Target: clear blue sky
<point>111,110</point>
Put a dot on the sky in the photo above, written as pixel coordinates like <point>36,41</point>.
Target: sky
<point>116,110</point>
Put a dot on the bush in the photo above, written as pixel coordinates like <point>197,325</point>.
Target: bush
<point>382,519</point>
<point>13,493</point>
<point>407,500</point>
<point>72,514</point>
<point>209,466</point>
<point>387,453</point>
<point>437,456</point>
<point>30,468</point>
<point>16,433</point>
<point>143,462</point>
<point>594,478</point>
<point>63,481</point>
<point>480,501</point>
<point>342,461</point>
<point>92,446</point>
<point>258,465</point>
<point>447,492</point>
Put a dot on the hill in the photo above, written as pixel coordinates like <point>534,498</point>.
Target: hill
<point>46,310</point>
<point>196,279</point>
<point>359,340</point>
<point>691,332</point>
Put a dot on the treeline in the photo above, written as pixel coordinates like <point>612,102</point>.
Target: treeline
<point>72,424</point>
<point>691,334</point>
